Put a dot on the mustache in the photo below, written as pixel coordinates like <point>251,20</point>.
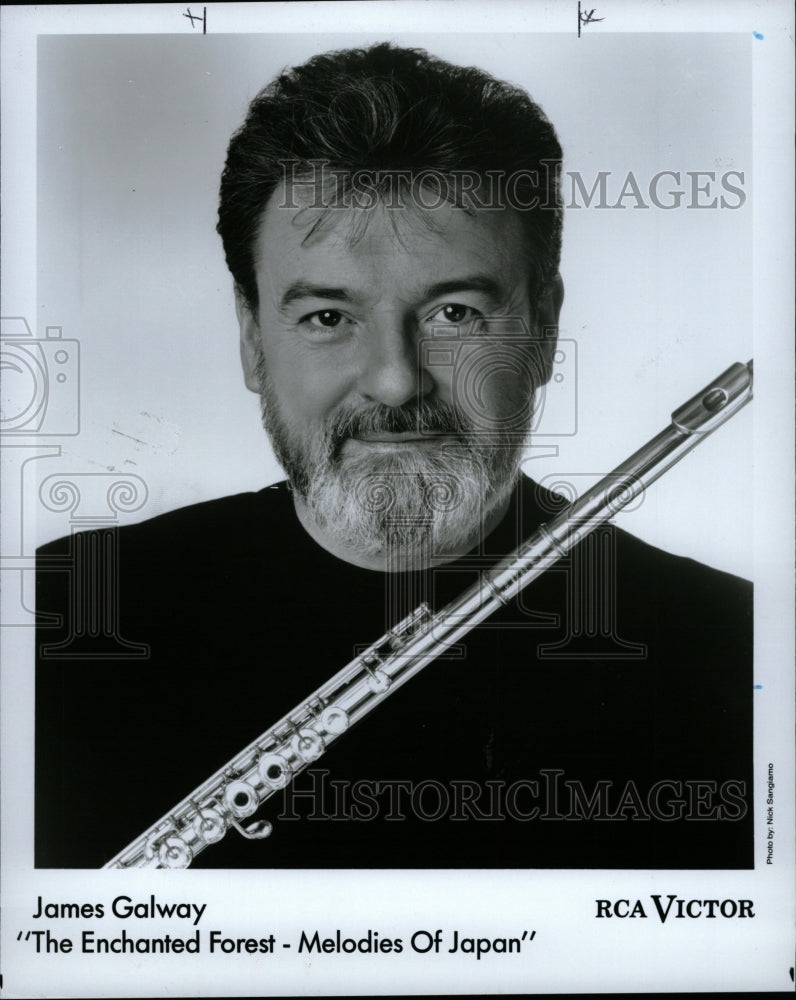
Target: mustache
<point>425,417</point>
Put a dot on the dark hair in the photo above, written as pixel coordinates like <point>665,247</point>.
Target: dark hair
<point>391,109</point>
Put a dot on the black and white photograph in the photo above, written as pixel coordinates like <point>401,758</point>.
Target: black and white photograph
<point>397,417</point>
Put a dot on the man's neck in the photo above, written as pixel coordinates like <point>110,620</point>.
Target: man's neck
<point>423,554</point>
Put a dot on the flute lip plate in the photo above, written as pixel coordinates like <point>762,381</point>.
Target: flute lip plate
<point>702,413</point>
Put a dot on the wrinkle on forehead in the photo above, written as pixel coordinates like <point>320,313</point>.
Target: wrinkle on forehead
<point>402,227</point>
<point>352,223</point>
<point>320,203</point>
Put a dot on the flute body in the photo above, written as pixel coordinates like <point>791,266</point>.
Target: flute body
<point>236,791</point>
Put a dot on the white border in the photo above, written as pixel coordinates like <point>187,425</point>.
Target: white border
<point>572,954</point>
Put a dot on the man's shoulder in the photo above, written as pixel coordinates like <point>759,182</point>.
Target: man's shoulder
<point>676,570</point>
<point>704,606</point>
<point>206,563</point>
<point>657,565</point>
<point>227,519</point>
<point>671,594</point>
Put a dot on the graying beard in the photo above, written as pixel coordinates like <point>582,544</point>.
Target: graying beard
<point>394,501</point>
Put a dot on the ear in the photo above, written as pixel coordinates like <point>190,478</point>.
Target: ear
<point>547,325</point>
<point>250,341</point>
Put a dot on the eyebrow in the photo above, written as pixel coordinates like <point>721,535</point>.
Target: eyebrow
<point>306,290</point>
<point>475,282</point>
<point>490,287</point>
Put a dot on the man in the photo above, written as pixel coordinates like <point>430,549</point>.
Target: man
<point>393,229</point>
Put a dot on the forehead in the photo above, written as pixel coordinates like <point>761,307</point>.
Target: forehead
<point>406,242</point>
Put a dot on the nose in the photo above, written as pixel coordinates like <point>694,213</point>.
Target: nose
<point>392,370</point>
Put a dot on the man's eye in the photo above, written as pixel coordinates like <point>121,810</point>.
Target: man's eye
<point>325,319</point>
<point>453,312</point>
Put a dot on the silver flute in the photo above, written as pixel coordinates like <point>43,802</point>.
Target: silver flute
<point>266,766</point>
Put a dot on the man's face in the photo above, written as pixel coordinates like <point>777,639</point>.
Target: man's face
<point>383,398</point>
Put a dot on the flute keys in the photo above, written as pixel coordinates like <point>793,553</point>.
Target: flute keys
<point>174,853</point>
<point>274,770</point>
<point>334,720</point>
<point>378,681</point>
<point>258,830</point>
<point>209,826</point>
<point>241,799</point>
<point>307,744</point>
